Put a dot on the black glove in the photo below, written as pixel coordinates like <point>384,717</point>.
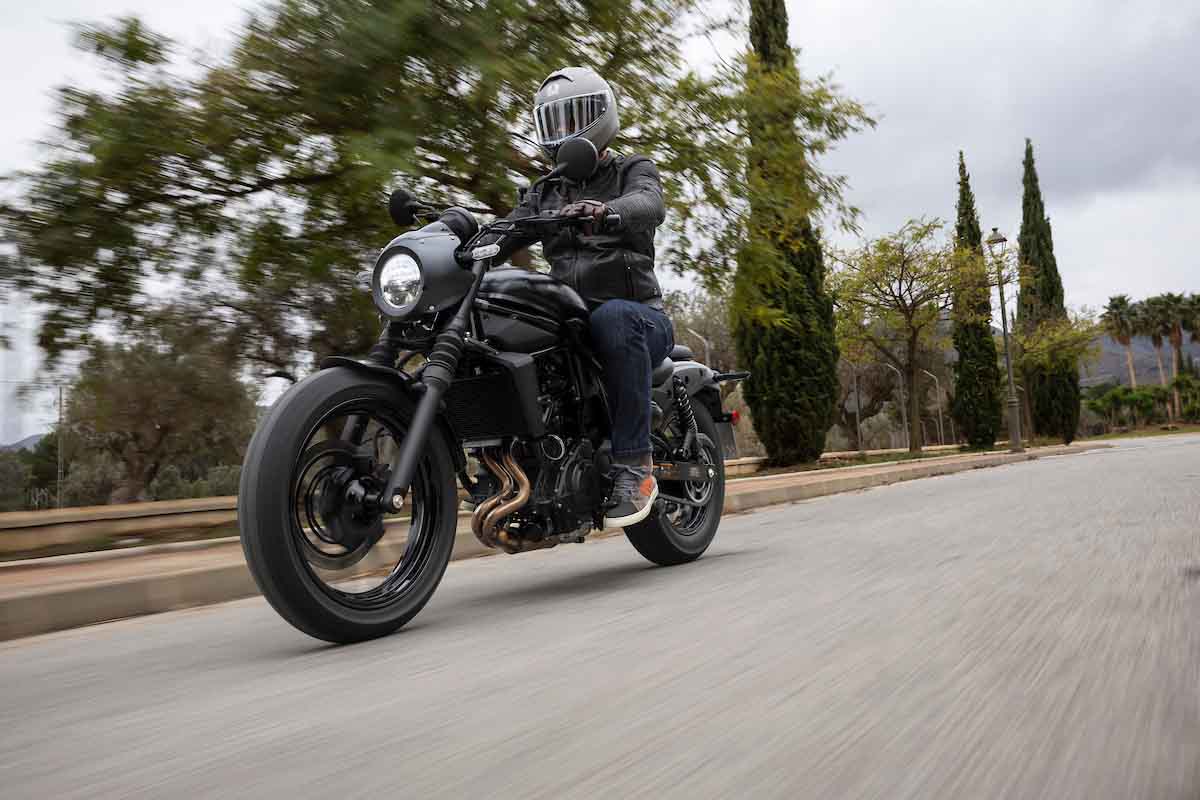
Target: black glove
<point>591,210</point>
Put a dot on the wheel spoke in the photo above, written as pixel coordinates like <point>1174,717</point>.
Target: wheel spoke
<point>354,552</point>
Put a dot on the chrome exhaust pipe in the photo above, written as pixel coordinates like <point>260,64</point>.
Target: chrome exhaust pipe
<point>496,516</point>
<point>478,518</point>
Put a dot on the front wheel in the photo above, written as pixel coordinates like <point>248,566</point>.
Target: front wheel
<point>331,563</point>
<point>675,532</point>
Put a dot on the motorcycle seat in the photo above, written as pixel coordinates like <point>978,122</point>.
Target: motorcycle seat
<point>681,352</point>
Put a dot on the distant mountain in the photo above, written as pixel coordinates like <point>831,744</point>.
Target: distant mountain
<point>1109,365</point>
<point>28,443</point>
<point>1111,362</point>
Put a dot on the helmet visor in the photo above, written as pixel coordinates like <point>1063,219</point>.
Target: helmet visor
<point>565,117</point>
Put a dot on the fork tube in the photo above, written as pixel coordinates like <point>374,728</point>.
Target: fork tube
<point>437,376</point>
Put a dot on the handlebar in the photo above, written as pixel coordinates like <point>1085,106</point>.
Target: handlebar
<point>609,222</point>
<point>469,252</point>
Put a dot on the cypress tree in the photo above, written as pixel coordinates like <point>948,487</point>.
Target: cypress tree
<point>976,404</point>
<point>788,343</point>
<point>1053,391</point>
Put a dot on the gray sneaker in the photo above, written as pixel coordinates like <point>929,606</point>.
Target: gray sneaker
<point>633,494</point>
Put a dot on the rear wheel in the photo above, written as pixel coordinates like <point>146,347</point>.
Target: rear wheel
<point>327,559</point>
<point>678,532</point>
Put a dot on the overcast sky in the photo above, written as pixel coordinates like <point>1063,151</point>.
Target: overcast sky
<point>1107,90</point>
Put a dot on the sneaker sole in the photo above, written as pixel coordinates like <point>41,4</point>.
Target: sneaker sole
<point>611,523</point>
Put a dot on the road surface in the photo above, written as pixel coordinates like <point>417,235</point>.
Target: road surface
<point>1024,631</point>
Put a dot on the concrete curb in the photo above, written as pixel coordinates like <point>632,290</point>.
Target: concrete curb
<point>897,472</point>
<point>36,612</point>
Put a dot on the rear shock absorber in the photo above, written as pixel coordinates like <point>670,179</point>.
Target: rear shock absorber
<point>686,416</point>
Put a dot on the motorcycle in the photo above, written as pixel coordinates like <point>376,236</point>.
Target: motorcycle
<point>348,508</point>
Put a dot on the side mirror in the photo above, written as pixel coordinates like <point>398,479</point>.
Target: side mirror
<point>577,159</point>
<point>400,208</point>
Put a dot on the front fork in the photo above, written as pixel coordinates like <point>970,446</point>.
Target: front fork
<point>436,377</point>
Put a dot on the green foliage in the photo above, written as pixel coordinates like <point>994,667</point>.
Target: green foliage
<point>1054,393</point>
<point>170,483</point>
<point>255,184</point>
<point>1165,318</point>
<point>1174,310</point>
<point>784,324</point>
<point>14,481</point>
<point>793,366</point>
<point>976,403</point>
<point>707,314</point>
<point>1150,319</point>
<point>1188,387</point>
<point>1118,319</point>
<point>258,181</point>
<point>167,395</point>
<point>891,294</point>
<point>42,461</point>
<point>1063,342</point>
<point>1049,359</point>
<point>1133,406</point>
<point>94,479</point>
<point>1041,295</point>
<point>1119,322</point>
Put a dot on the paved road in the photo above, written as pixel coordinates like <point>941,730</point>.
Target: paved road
<point>922,640</point>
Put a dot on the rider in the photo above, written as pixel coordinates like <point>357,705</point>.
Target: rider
<point>612,270</point>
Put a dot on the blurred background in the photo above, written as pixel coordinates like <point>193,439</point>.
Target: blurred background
<point>191,189</point>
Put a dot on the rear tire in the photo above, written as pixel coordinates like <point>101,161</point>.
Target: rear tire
<point>660,541</point>
<point>269,529</point>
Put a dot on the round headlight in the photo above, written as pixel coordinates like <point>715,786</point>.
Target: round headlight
<point>400,282</point>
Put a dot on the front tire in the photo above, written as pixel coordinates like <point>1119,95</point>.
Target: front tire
<point>279,548</point>
<point>669,538</point>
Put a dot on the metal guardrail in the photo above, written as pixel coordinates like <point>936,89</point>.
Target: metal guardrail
<point>28,531</point>
<point>25,531</point>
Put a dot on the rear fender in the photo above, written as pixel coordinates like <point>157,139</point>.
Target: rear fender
<point>700,381</point>
<point>411,387</point>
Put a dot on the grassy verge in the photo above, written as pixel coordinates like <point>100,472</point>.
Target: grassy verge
<point>1139,433</point>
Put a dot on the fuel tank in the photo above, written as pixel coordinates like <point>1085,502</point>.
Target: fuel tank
<point>525,311</point>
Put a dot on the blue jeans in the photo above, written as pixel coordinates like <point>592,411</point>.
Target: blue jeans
<point>630,339</point>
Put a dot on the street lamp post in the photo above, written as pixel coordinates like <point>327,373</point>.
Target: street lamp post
<point>938,384</point>
<point>862,450</point>
<point>997,242</point>
<point>903,406</point>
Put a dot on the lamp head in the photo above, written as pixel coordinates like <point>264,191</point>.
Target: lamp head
<point>996,241</point>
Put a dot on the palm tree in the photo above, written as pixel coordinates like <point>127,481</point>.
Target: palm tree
<point>1150,320</point>
<point>1193,317</point>
<point>1176,310</point>
<point>1118,319</point>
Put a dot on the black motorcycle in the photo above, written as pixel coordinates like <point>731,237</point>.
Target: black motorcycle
<point>348,507</point>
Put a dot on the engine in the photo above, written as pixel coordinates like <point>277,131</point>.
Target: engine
<point>534,494</point>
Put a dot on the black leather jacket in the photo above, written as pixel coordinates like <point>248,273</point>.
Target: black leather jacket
<point>609,265</point>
